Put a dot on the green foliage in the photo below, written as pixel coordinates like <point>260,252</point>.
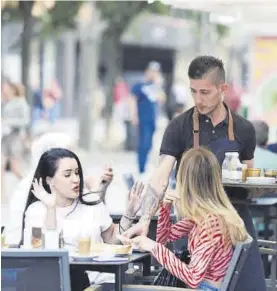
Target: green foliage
<point>119,14</point>
<point>60,17</point>
<point>222,30</point>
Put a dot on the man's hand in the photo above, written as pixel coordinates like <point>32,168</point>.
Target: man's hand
<point>141,228</point>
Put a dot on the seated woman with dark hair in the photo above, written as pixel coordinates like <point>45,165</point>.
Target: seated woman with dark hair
<point>55,201</point>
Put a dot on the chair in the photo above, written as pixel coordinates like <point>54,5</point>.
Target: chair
<point>236,264</point>
<point>35,269</point>
<point>270,248</point>
<point>229,282</point>
<point>94,288</point>
<point>155,288</point>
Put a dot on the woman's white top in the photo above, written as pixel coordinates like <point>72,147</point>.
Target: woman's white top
<point>77,219</point>
<point>74,220</point>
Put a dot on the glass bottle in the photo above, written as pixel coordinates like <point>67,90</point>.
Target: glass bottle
<point>236,168</point>
<point>226,168</point>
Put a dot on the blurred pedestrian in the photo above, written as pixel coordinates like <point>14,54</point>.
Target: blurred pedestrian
<point>144,103</point>
<point>122,111</point>
<point>263,158</point>
<point>273,146</point>
<point>15,120</point>
<point>46,103</point>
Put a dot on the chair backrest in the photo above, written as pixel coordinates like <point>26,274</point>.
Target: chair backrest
<point>240,254</point>
<point>153,288</point>
<point>36,269</point>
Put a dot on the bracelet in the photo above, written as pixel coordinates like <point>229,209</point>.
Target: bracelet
<point>120,227</point>
<point>130,217</point>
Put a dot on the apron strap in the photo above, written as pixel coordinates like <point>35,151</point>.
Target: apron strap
<point>195,117</point>
<point>196,128</point>
<point>230,126</point>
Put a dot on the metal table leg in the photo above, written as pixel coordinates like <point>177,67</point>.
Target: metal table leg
<point>120,277</point>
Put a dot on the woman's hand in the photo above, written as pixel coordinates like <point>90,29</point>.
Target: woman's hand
<point>49,200</point>
<point>107,177</point>
<point>143,243</point>
<point>96,184</point>
<point>171,197</point>
<point>135,198</point>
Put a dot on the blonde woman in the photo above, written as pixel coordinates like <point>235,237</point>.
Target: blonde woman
<point>208,219</point>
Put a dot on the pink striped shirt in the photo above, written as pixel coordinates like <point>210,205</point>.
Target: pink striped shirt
<point>210,258</point>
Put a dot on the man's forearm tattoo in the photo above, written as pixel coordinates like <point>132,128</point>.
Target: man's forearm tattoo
<point>151,201</point>
<point>153,197</point>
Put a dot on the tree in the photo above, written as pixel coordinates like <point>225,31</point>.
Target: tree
<point>50,16</point>
<point>119,15</point>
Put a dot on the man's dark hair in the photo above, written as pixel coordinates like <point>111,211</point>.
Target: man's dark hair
<point>202,66</point>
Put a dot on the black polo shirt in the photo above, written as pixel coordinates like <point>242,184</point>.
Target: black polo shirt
<point>178,136</point>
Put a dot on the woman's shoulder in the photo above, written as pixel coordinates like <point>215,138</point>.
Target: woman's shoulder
<point>36,208</point>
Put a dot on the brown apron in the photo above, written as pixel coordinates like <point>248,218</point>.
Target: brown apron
<point>252,275</point>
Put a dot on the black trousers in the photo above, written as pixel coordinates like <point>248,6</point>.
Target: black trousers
<point>79,279</point>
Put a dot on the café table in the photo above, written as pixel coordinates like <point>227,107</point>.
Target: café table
<point>260,198</point>
<point>246,185</point>
<point>117,267</point>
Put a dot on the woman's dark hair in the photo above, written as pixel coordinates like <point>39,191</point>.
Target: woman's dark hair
<point>47,167</point>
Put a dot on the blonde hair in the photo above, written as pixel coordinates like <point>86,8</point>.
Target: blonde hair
<point>202,194</point>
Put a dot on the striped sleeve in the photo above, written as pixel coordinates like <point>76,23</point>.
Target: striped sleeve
<point>201,256</point>
<point>166,232</point>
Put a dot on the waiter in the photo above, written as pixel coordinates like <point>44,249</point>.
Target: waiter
<point>211,124</point>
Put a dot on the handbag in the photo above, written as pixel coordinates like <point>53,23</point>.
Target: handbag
<point>165,278</point>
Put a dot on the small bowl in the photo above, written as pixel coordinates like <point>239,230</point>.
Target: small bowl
<point>253,172</point>
<point>270,173</point>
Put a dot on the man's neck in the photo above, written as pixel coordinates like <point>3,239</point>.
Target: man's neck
<point>218,115</point>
